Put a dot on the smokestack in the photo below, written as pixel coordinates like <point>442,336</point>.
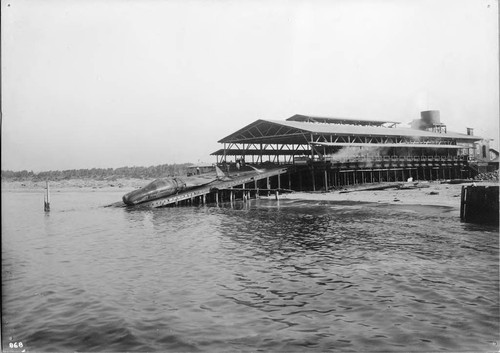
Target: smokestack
<point>430,118</point>
<point>470,131</point>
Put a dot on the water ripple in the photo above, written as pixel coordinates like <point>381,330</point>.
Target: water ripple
<point>287,276</point>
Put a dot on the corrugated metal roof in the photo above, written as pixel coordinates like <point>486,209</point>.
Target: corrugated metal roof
<point>257,152</point>
<point>369,130</point>
<point>306,128</point>
<point>336,120</point>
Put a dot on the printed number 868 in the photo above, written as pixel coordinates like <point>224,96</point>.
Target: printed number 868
<point>16,345</point>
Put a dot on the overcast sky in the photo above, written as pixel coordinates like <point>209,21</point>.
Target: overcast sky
<point>89,83</point>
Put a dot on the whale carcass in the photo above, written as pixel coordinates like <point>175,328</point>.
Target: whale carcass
<point>164,187</point>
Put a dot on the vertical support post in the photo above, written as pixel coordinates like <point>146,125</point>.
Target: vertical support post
<point>46,201</point>
<point>462,204</point>
<point>326,180</point>
<point>313,181</point>
<point>268,184</point>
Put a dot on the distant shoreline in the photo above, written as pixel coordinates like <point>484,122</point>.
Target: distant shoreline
<point>116,184</point>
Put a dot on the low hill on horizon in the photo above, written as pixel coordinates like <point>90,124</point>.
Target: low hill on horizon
<point>158,171</point>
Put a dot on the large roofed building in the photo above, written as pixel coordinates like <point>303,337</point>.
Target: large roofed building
<point>322,138</point>
<point>425,150</point>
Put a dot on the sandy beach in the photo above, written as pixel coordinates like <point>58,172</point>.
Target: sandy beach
<point>428,193</point>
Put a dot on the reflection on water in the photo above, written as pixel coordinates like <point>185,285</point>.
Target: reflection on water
<point>266,275</point>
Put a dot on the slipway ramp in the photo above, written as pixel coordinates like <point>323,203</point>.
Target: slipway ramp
<point>236,181</point>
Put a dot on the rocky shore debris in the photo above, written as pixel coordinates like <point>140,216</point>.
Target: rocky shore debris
<point>488,176</point>
<point>393,185</point>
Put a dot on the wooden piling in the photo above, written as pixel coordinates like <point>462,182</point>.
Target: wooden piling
<point>479,204</point>
<point>313,181</point>
<point>46,201</point>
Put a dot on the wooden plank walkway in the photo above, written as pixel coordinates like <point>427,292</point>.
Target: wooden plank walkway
<point>202,191</point>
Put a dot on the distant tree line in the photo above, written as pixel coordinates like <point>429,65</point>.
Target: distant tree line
<point>158,171</point>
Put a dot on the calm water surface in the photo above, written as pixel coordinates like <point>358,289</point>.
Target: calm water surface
<point>265,276</point>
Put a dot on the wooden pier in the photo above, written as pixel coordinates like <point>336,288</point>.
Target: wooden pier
<point>275,179</point>
<point>241,186</point>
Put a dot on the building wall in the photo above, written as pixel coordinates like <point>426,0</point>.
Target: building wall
<point>482,152</point>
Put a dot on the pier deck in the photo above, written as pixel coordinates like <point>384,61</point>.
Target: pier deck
<point>237,181</point>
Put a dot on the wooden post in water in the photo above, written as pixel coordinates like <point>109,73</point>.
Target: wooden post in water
<point>46,200</point>
<point>462,203</point>
<point>479,204</point>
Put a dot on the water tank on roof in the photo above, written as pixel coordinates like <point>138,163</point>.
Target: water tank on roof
<point>430,118</point>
